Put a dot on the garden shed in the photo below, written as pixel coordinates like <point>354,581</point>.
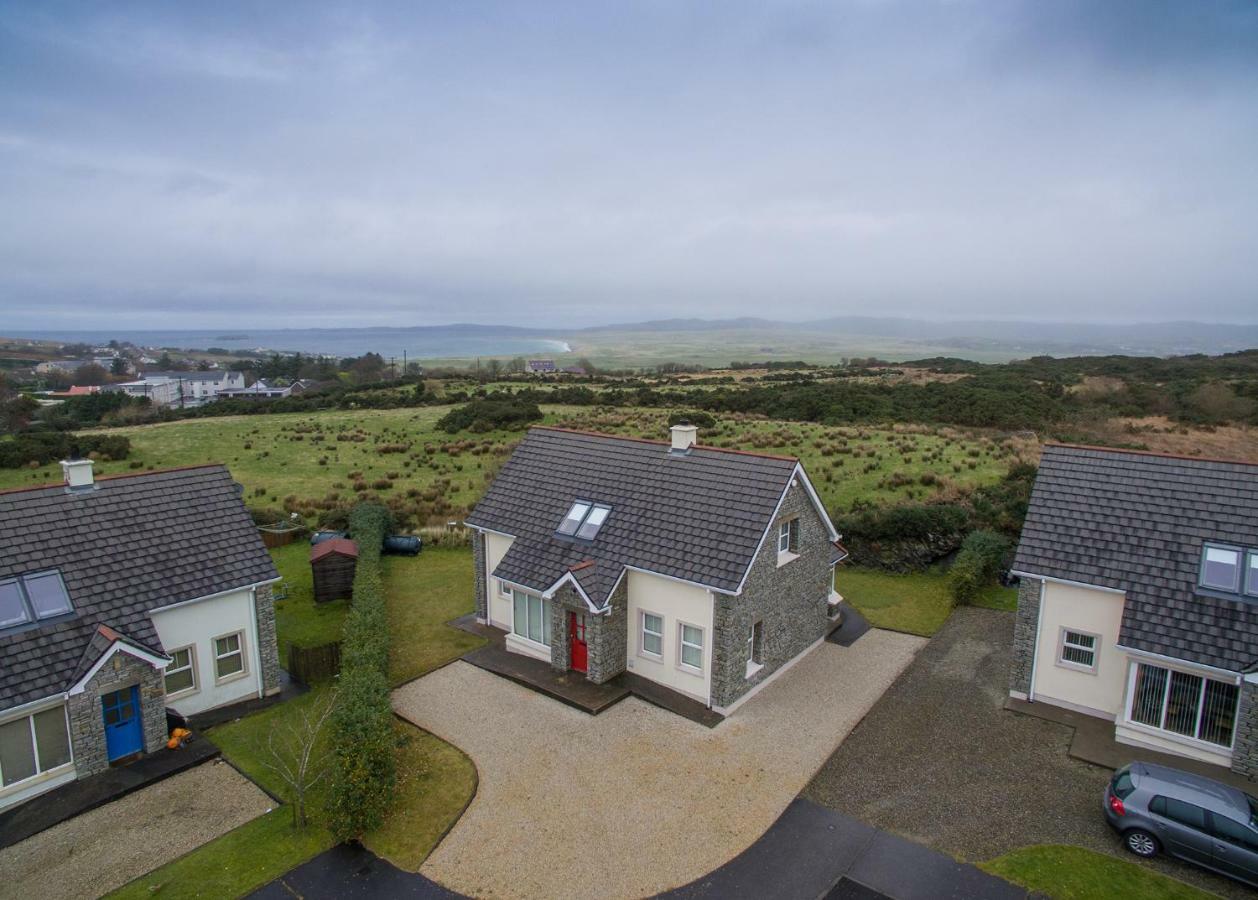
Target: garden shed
<point>332,565</point>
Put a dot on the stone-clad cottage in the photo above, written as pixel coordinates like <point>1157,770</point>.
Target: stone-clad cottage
<point>120,597</point>
<point>707,571</point>
<point>1139,599</point>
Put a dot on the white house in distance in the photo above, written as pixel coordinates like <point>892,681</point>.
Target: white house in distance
<point>1138,601</point>
<point>120,597</point>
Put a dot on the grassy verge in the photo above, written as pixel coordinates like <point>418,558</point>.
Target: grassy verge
<point>298,619</point>
<point>436,780</point>
<point>918,603</point>
<point>997,597</point>
<point>424,592</point>
<point>1072,873</point>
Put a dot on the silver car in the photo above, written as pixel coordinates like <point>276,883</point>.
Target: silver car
<point>1157,809</point>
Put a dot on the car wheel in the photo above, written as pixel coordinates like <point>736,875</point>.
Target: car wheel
<point>1141,843</point>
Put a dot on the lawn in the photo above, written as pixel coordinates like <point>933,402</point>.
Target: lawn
<point>918,603</point>
<point>436,780</point>
<point>1073,873</point>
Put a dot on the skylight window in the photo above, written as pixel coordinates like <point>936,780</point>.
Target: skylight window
<point>574,517</point>
<point>1221,568</point>
<point>584,520</point>
<point>41,595</point>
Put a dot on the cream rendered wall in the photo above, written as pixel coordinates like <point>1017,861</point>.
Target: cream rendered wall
<point>197,624</point>
<point>1089,610</point>
<point>496,547</point>
<point>676,602</point>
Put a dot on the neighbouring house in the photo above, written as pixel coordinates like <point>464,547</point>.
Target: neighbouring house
<point>69,366</point>
<point>261,390</point>
<point>120,597</point>
<point>1138,600</point>
<point>159,391</point>
<point>196,388</point>
<point>708,571</point>
<point>540,365</point>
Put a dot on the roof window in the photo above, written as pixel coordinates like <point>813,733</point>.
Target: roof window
<point>584,520</point>
<point>1221,568</point>
<point>28,598</point>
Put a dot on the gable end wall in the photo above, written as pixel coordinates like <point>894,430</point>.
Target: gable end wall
<point>790,601</point>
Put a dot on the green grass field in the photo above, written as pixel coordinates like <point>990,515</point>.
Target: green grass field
<point>1073,873</point>
<point>918,603</point>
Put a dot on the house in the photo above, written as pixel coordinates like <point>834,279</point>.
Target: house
<point>160,391</point>
<point>68,366</point>
<point>196,388</point>
<point>261,390</point>
<point>1138,600</point>
<point>540,365</point>
<point>707,571</point>
<point>121,597</point>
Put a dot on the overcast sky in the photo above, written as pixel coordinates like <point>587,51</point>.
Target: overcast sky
<point>541,163</point>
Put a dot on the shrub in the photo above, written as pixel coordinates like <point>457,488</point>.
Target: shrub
<point>695,417</point>
<point>365,772</point>
<point>490,413</point>
<point>43,447</point>
<point>978,564</point>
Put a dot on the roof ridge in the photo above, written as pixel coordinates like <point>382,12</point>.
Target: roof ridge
<point>118,477</point>
<point>1154,453</point>
<point>642,440</point>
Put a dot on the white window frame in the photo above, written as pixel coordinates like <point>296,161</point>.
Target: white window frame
<point>240,650</point>
<point>786,528</point>
<point>1063,641</point>
<point>192,667</point>
<point>755,665</point>
<point>544,604</point>
<point>1191,739</point>
<point>1250,573</point>
<point>682,644</point>
<point>642,633</point>
<point>40,774</point>
<point>504,589</point>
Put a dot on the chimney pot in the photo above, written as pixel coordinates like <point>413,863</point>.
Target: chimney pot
<point>78,474</point>
<point>684,437</point>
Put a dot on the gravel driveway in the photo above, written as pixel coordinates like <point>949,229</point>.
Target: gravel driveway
<point>106,847</point>
<point>939,761</point>
<point>635,800</point>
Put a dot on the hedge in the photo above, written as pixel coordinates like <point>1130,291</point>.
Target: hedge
<point>489,414</point>
<point>43,447</point>
<point>977,565</point>
<point>362,727</point>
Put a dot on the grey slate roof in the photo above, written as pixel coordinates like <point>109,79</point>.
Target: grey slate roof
<point>698,517</point>
<point>1136,522</point>
<point>136,543</point>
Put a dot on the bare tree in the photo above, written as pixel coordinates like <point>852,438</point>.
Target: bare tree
<point>292,751</point>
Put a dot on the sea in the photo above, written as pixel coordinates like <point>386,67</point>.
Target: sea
<point>441,342</point>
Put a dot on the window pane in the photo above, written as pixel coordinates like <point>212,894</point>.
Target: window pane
<point>653,623</point>
<point>1234,832</point>
<point>1220,568</point>
<point>47,594</point>
<point>178,681</point>
<point>573,518</point>
<point>692,656</point>
<point>535,618</point>
<point>51,737</point>
<point>692,635</point>
<point>784,537</point>
<point>1146,706</point>
<point>1251,579</point>
<point>653,643</point>
<point>546,622</point>
<point>1181,704</point>
<point>181,659</point>
<point>519,621</point>
<point>230,665</point>
<point>593,522</point>
<point>1080,640</point>
<point>1186,813</point>
<point>1218,713</point>
<point>12,609</point>
<point>229,644</point>
<point>17,754</point>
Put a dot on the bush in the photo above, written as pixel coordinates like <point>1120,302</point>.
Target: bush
<point>490,413</point>
<point>362,726</point>
<point>44,447</point>
<point>695,417</point>
<point>978,564</point>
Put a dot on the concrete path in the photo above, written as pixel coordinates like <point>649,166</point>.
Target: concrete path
<point>636,800</point>
<point>91,854</point>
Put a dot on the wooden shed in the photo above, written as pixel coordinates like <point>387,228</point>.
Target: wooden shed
<point>332,564</point>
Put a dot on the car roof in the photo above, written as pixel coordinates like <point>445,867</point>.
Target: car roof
<point>1197,789</point>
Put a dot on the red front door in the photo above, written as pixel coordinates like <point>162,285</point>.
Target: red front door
<point>576,638</point>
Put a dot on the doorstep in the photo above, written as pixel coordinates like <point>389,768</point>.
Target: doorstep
<point>60,804</point>
<point>1093,742</point>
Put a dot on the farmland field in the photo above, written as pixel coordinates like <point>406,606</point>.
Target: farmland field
<point>311,462</point>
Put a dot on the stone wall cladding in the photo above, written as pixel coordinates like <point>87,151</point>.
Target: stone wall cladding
<point>268,648</point>
<point>478,561</point>
<point>87,725</point>
<point>605,633</point>
<point>1025,623</point>
<point>790,601</point>
<point>1245,749</point>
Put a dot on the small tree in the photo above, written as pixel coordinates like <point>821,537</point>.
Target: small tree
<point>119,366</point>
<point>292,751</point>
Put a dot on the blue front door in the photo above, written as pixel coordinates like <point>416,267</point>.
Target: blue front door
<point>123,735</point>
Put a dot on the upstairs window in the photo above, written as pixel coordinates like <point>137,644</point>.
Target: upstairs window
<point>1221,568</point>
<point>584,520</point>
<point>40,595</point>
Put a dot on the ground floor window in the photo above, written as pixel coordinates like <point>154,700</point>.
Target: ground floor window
<point>229,655</point>
<point>1078,649</point>
<point>181,673</point>
<point>532,618</point>
<point>1182,703</point>
<point>652,634</point>
<point>755,648</point>
<point>33,744</point>
<point>691,652</point>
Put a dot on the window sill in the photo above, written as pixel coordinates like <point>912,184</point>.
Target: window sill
<point>690,670</point>
<point>1077,667</point>
<point>228,679</point>
<point>753,669</point>
<point>786,556</point>
<point>186,692</point>
<point>1176,737</point>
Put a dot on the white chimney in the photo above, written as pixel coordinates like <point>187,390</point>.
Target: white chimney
<point>684,436</point>
<point>78,474</point>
